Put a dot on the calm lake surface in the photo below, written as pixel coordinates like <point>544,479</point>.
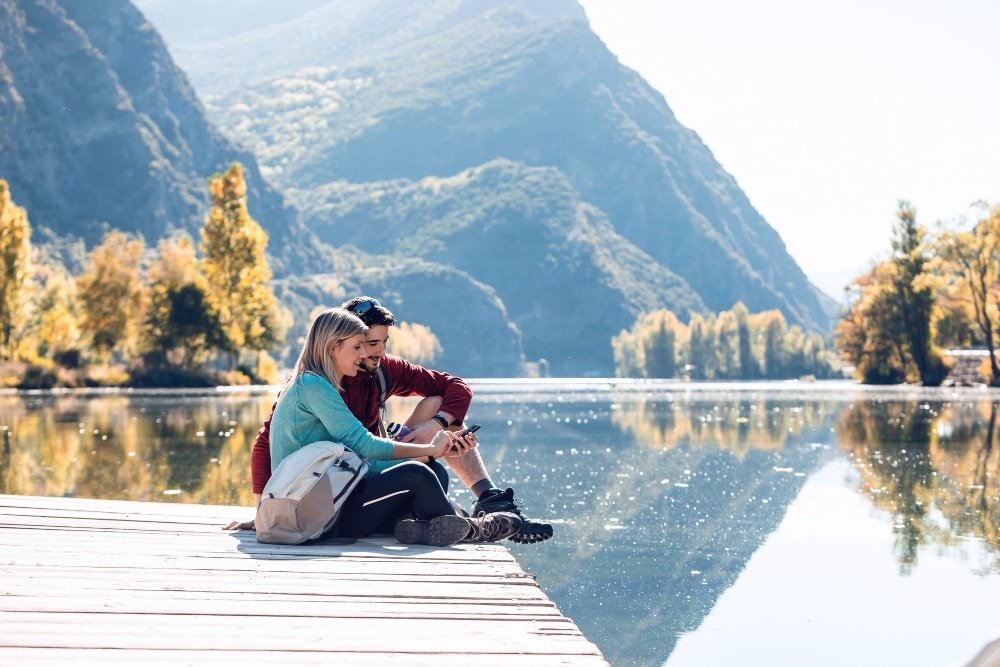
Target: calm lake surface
<point>755,524</point>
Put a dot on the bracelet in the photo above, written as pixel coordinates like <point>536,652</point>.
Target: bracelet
<point>441,420</point>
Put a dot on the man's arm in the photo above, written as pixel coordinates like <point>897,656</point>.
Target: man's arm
<point>409,379</point>
<point>260,458</point>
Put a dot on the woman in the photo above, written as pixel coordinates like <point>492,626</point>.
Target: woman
<point>310,408</point>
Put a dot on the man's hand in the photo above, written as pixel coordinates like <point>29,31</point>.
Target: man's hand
<point>422,434</point>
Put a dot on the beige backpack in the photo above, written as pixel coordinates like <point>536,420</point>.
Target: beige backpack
<point>304,495</point>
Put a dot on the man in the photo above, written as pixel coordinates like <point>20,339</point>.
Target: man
<point>446,401</point>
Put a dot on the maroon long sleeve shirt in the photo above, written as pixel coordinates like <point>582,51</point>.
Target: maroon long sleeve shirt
<point>361,394</point>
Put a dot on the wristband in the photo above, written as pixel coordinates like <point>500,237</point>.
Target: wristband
<point>440,420</point>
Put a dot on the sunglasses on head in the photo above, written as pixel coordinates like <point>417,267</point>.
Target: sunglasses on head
<point>362,308</point>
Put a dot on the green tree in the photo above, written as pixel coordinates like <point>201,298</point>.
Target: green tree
<point>749,364</point>
<point>112,296</point>
<point>914,294</point>
<point>660,352</point>
<point>236,269</point>
<point>181,327</point>
<point>15,257</point>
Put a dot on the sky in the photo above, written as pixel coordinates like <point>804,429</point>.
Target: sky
<point>828,113</point>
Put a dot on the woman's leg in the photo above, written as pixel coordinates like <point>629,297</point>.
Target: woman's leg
<point>409,486</point>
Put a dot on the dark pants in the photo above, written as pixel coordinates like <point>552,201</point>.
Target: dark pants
<point>409,489</point>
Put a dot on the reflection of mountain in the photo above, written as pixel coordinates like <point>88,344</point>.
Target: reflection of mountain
<point>654,534</point>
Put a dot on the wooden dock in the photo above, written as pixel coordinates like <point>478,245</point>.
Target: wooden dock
<point>86,581</point>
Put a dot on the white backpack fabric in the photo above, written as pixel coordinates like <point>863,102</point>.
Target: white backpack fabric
<point>304,495</point>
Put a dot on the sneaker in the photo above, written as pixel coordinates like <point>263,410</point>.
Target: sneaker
<point>441,531</point>
<point>531,531</point>
<point>492,527</point>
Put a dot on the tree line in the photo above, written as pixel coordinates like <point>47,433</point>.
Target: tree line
<point>936,291</point>
<point>732,345</point>
<point>162,314</point>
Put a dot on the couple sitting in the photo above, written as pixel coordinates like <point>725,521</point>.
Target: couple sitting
<point>337,393</point>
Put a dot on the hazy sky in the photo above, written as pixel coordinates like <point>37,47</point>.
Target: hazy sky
<point>827,113</point>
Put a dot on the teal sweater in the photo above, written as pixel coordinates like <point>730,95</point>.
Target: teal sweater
<point>311,409</point>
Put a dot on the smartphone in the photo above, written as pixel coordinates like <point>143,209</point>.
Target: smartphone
<point>467,431</point>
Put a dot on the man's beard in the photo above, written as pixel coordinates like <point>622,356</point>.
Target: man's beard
<point>369,365</point>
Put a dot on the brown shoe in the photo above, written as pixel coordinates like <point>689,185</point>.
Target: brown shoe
<point>492,527</point>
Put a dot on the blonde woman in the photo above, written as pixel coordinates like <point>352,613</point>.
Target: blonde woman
<point>311,409</point>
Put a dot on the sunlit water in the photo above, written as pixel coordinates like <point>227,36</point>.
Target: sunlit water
<point>770,524</point>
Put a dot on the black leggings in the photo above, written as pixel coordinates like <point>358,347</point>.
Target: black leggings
<point>405,490</point>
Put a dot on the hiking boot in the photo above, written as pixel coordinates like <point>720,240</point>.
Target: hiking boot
<point>441,531</point>
<point>492,527</point>
<point>531,531</point>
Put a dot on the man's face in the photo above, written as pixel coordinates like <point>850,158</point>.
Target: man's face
<point>375,341</point>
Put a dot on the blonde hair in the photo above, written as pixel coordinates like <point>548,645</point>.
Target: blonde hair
<point>329,328</point>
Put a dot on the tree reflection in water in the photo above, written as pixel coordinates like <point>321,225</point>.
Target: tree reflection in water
<point>661,498</point>
<point>934,467</point>
<point>192,449</point>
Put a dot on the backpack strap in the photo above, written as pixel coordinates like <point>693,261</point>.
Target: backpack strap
<point>382,380</point>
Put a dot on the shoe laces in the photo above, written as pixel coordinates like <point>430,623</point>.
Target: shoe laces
<point>486,528</point>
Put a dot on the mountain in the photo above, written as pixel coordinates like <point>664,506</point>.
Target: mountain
<point>567,277</point>
<point>459,158</point>
<point>384,90</point>
<point>476,335</point>
<point>102,131</point>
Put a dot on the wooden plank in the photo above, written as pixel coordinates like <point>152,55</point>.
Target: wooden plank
<point>134,582</point>
<point>192,631</point>
<point>174,602</point>
<point>62,657</point>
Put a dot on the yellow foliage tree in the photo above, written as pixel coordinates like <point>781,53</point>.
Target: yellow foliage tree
<point>15,257</point>
<point>236,269</point>
<point>415,342</point>
<point>970,262</point>
<point>112,296</point>
<point>58,316</point>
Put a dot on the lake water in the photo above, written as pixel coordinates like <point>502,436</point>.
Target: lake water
<point>758,524</point>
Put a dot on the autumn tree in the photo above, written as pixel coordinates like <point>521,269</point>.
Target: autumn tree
<point>15,256</point>
<point>112,296</point>
<point>58,316</point>
<point>970,262</point>
<point>869,334</point>
<point>415,342</point>
<point>701,354</point>
<point>749,365</point>
<point>769,328</point>
<point>914,295</point>
<point>181,326</point>
<point>650,348</point>
<point>727,353</point>
<point>236,269</point>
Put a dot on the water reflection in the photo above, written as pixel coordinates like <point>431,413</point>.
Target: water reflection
<point>933,465</point>
<point>662,497</point>
<point>192,449</point>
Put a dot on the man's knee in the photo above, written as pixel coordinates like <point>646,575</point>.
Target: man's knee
<point>425,409</point>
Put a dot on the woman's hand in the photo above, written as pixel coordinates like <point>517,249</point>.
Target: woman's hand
<point>240,525</point>
<point>440,444</point>
<point>460,444</point>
